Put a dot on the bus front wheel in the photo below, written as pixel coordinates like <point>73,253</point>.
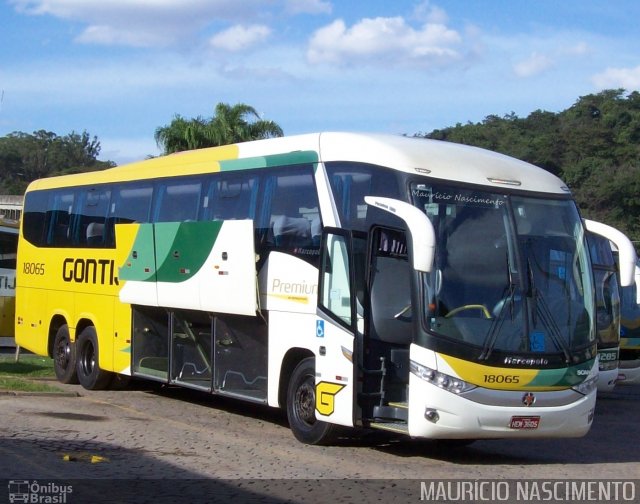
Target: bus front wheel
<point>301,407</point>
<point>64,356</point>
<point>90,375</point>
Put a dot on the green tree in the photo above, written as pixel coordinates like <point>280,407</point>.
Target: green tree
<point>594,146</point>
<point>25,157</point>
<point>229,124</point>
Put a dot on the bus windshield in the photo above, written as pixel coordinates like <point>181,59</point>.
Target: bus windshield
<point>511,274</point>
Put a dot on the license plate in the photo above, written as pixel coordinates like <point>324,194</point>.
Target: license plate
<point>524,422</point>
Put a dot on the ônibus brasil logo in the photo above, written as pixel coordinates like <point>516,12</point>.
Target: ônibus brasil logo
<point>34,492</point>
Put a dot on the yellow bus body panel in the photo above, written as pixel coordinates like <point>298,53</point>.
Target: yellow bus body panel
<point>77,285</point>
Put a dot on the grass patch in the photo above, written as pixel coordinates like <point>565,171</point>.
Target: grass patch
<point>25,375</point>
<point>24,385</point>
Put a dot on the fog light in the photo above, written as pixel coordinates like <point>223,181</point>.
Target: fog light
<point>431,415</point>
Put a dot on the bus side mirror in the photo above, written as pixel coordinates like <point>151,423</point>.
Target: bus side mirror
<point>423,237</point>
<point>626,252</point>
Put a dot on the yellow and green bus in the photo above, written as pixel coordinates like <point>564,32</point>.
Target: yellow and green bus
<point>601,238</point>
<point>368,281</point>
<point>630,332</point>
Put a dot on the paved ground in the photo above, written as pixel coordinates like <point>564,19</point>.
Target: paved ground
<point>178,443</point>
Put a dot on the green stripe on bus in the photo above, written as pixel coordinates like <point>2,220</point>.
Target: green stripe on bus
<point>183,248</point>
<point>292,158</point>
<point>568,377</point>
<point>140,264</point>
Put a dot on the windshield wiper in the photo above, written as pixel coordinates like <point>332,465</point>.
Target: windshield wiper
<point>498,321</point>
<point>540,308</point>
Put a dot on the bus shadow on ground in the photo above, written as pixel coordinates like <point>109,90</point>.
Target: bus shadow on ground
<point>615,419</point>
<point>56,470</point>
<point>91,471</point>
<point>226,404</point>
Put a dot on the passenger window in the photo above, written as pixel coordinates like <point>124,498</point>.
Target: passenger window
<point>131,204</point>
<point>91,230</point>
<point>351,182</point>
<point>231,197</point>
<point>291,203</point>
<point>35,219</point>
<point>179,201</point>
<point>59,232</point>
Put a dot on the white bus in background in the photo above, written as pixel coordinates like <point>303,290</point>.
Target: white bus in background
<point>630,332</point>
<point>601,239</point>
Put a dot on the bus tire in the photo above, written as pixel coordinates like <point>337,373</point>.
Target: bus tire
<point>301,407</point>
<point>90,375</point>
<point>64,356</point>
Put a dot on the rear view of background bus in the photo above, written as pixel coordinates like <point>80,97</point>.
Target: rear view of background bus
<point>601,239</point>
<point>630,332</point>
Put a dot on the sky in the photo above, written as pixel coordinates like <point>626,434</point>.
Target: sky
<point>119,69</point>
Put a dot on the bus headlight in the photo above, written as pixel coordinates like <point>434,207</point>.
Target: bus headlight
<point>587,386</point>
<point>444,381</point>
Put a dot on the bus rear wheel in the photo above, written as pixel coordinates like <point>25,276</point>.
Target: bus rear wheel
<point>90,375</point>
<point>301,407</point>
<point>64,356</point>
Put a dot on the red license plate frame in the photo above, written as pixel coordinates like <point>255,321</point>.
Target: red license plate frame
<point>524,422</point>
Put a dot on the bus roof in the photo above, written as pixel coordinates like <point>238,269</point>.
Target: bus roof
<point>438,159</point>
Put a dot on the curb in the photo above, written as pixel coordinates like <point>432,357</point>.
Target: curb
<point>17,393</point>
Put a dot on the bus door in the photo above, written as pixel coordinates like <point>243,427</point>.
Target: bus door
<point>388,328</point>
<point>337,325</point>
<point>364,326</point>
<point>395,257</point>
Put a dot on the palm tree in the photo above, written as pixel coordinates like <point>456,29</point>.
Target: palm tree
<point>228,125</point>
<point>181,134</point>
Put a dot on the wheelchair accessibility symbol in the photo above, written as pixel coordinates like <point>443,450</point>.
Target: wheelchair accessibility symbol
<point>319,328</point>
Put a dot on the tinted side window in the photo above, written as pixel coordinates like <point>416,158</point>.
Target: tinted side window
<point>34,218</point>
<point>131,203</point>
<point>90,223</point>
<point>59,231</point>
<point>351,182</point>
<point>178,201</point>
<point>231,196</point>
<point>600,250</point>
<point>289,220</point>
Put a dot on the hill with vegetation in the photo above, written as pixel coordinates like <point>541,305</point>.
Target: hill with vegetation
<point>594,146</point>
